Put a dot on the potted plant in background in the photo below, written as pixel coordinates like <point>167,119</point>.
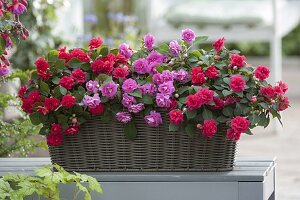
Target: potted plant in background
<point>166,107</point>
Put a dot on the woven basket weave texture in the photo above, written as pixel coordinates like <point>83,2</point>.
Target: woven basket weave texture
<point>102,146</point>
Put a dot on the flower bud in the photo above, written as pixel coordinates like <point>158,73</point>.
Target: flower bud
<point>73,115</point>
<point>74,120</point>
<point>184,110</point>
<point>37,86</point>
<point>199,126</point>
<point>272,101</point>
<point>176,95</point>
<point>199,62</point>
<point>253,99</point>
<point>185,55</point>
<point>235,68</point>
<point>217,57</point>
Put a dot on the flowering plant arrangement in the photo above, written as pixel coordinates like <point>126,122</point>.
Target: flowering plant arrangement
<point>199,89</point>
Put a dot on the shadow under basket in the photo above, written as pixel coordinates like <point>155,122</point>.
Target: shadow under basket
<point>102,146</point>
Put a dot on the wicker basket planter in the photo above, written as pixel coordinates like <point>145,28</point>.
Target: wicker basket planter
<point>102,146</point>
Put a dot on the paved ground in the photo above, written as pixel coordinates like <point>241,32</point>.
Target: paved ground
<point>285,145</point>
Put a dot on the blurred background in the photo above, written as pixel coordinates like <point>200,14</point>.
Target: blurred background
<point>266,31</point>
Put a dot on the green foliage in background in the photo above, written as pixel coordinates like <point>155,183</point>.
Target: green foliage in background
<point>45,184</point>
<point>39,20</point>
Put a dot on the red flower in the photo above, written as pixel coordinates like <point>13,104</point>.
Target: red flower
<point>42,68</point>
<point>55,139</point>
<point>197,76</point>
<point>239,124</point>
<point>237,83</point>
<point>173,105</point>
<point>103,65</point>
<point>51,103</point>
<point>219,103</point>
<point>43,110</point>
<point>120,72</point>
<point>176,117</point>
<point>283,86</point>
<point>212,72</point>
<point>120,60</point>
<point>267,91</point>
<point>28,103</point>
<point>283,103</point>
<point>22,91</point>
<point>219,44</point>
<point>56,129</point>
<point>97,110</point>
<point>68,101</point>
<point>80,54</point>
<point>78,75</point>
<point>72,130</point>
<point>261,72</point>
<point>237,60</point>
<point>66,82</point>
<point>95,43</point>
<point>205,95</point>
<point>64,55</point>
<point>209,128</point>
<point>231,135</point>
<point>230,100</point>
<point>193,101</point>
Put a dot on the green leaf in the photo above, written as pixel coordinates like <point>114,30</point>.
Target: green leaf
<point>147,99</point>
<point>56,92</point>
<point>85,190</point>
<point>2,45</point>
<point>226,93</point>
<point>104,50</point>
<point>75,63</point>
<point>5,189</point>
<point>173,127</point>
<point>182,100</point>
<point>55,80</point>
<point>183,89</point>
<point>44,130</point>
<point>226,80</point>
<point>63,90</point>
<point>190,114</point>
<point>196,53</point>
<point>36,118</point>
<point>136,93</point>
<point>207,114</point>
<point>130,130</point>
<point>114,51</point>
<point>191,129</point>
<point>249,132</point>
<point>62,119</point>
<point>52,56</point>
<point>94,185</point>
<point>200,40</point>
<point>44,88</point>
<point>222,119</point>
<point>227,111</point>
<point>163,48</point>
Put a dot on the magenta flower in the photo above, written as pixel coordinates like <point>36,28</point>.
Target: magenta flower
<point>181,76</point>
<point>167,76</point>
<point>166,88</point>
<point>3,71</point>
<point>8,42</point>
<point>17,8</point>
<point>175,48</point>
<point>188,35</point>
<point>141,66</point>
<point>124,117</point>
<point>153,119</point>
<point>157,78</point>
<point>91,102</point>
<point>127,100</point>
<point>148,88</point>
<point>92,86</point>
<point>163,101</point>
<point>135,108</point>
<point>129,85</point>
<point>155,59</point>
<point>125,50</point>
<point>149,41</point>
<point>109,90</point>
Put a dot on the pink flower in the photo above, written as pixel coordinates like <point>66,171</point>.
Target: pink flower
<point>127,100</point>
<point>181,76</point>
<point>162,100</point>
<point>166,76</point>
<point>205,95</point>
<point>176,117</point>
<point>283,103</point>
<point>135,108</point>
<point>91,102</point>
<point>219,103</point>
<point>92,86</point>
<point>125,50</point>
<point>95,43</point>
<point>129,85</point>
<point>153,119</point>
<point>219,44</point>
<point>109,90</point>
<point>212,72</point>
<point>188,35</point>
<point>141,66</point>
<point>237,60</point>
<point>237,83</point>
<point>149,41</point>
<point>209,128</point>
<point>231,135</point>
<point>175,48</point>
<point>267,91</point>
<point>166,88</point>
<point>148,88</point>
<point>283,87</point>
<point>240,124</point>
<point>155,59</point>
<point>261,72</point>
<point>124,117</point>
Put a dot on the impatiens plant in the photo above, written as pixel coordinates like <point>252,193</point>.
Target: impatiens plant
<point>199,89</point>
